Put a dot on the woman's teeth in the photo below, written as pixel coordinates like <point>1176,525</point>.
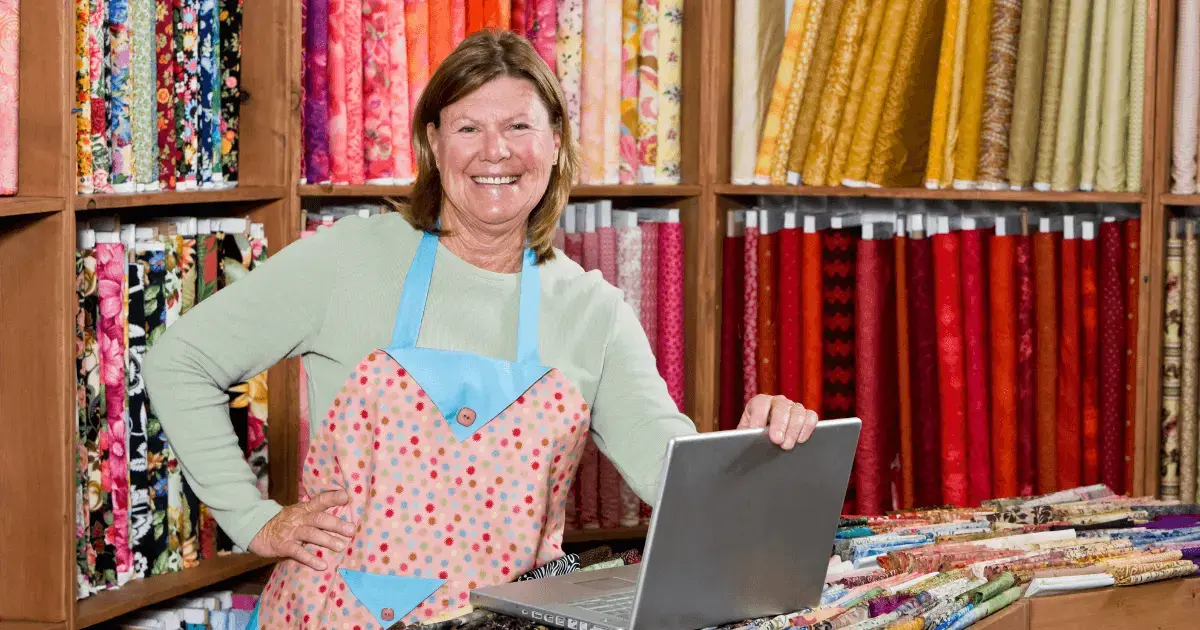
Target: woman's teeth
<point>494,180</point>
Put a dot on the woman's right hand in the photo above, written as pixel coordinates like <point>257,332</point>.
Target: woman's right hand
<point>284,535</point>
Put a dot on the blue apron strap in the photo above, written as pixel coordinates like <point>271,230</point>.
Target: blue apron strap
<point>527,317</point>
<point>414,294</point>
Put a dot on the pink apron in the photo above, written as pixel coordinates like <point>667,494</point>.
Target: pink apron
<point>458,469</point>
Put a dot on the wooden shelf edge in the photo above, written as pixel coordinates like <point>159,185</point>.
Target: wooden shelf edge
<point>31,625</point>
<point>86,203</point>
<point>159,588</point>
<point>597,535</point>
<point>1027,196</point>
<point>18,206</point>
<point>1180,200</point>
<point>582,192</point>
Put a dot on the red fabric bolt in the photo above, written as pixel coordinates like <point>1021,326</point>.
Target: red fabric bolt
<point>1090,368</point>
<point>1069,450</point>
<point>1026,395</point>
<point>749,315</point>
<point>731,332</point>
<point>838,266</point>
<point>670,310</point>
<point>768,353</point>
<point>788,297</point>
<point>1045,272</point>
<point>975,327</point>
<point>1133,261</point>
<point>1004,365</point>
<point>923,365</point>
<point>874,377</point>
<point>903,380</point>
<point>1112,356</point>
<point>948,291</point>
<point>812,339</point>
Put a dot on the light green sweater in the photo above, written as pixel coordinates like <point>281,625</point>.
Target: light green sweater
<point>332,299</point>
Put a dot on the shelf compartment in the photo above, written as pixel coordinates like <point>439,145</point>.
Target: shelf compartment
<point>139,594</point>
<point>16,206</point>
<point>85,203</point>
<point>598,535</point>
<point>1027,196</point>
<point>325,190</point>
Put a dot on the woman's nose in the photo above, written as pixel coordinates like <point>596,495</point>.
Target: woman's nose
<point>495,147</point>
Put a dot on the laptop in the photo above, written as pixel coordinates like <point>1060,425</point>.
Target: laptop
<point>742,529</point>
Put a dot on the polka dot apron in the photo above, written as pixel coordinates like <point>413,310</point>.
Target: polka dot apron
<point>457,466</point>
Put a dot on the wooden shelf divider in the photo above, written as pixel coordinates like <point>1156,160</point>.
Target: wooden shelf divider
<point>1017,196</point>
<point>237,194</point>
<point>17,206</point>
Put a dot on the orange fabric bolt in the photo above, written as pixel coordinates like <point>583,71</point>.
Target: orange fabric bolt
<point>441,36</point>
<point>475,15</point>
<point>906,447</point>
<point>1004,366</point>
<point>1045,270</point>
<point>1069,452</point>
<point>811,331</point>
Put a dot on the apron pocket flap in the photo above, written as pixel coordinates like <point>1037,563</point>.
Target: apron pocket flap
<point>389,597</point>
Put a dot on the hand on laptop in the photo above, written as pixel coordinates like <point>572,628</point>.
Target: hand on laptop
<point>789,422</point>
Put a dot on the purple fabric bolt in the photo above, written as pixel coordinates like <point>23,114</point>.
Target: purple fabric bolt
<point>1174,521</point>
<point>316,94</point>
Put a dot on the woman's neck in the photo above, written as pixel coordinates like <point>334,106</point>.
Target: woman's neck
<point>495,248</point>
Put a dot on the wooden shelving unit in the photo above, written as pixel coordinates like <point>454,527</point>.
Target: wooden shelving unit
<point>37,301</point>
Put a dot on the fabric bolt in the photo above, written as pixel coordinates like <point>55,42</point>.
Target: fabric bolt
<point>814,87</point>
<point>316,89</point>
<point>139,481</point>
<point>1133,275</point>
<point>613,68</point>
<point>303,140</point>
<point>1094,97</point>
<point>629,92</point>
<point>901,142</point>
<point>416,39</point>
<point>835,93</point>
<point>1003,320</point>
<point>1026,388</point>
<point>592,93</point>
<point>207,128</point>
<point>864,53</point>
<point>671,339</point>
<point>966,158</point>
<point>378,162</point>
<point>903,372</point>
<point>1056,46</point>
<point>83,118</point>
<point>100,552</point>
<point>157,545</point>
<point>998,94</point>
<point>648,90</point>
<point>1027,93</point>
<point>812,346</point>
<point>838,267</point>
<point>952,393</point>
<point>768,315</point>
<point>187,93</point>
<point>1137,97</point>
<point>874,344</point>
<point>946,99</point>
<point>1046,267</point>
<point>404,169</point>
<point>98,95</point>
<point>143,70</point>
<point>475,15</point>
<point>1190,335</point>
<point>670,91</point>
<point>976,360</point>
<point>650,286</point>
<point>923,366</point>
<point>569,59</point>
<point>1090,355</point>
<point>1112,356</point>
<point>120,94</point>
<point>231,87</point>
<point>441,29</point>
<point>1065,168</point>
<point>1114,114</point>
<point>772,125</point>
<point>732,274</point>
<point>85,284</point>
<point>795,90</point>
<point>750,385</point>
<point>355,159</point>
<point>541,29</point>
<point>870,111</point>
<point>1068,456</point>
<point>788,318</point>
<point>110,270</point>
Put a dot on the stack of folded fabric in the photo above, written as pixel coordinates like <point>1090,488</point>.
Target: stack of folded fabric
<point>214,610</point>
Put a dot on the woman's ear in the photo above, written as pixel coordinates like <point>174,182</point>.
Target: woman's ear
<point>431,132</point>
<point>557,146</point>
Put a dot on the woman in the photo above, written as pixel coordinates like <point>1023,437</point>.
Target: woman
<point>479,361</point>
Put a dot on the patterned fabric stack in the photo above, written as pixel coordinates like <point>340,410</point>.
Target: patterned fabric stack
<point>359,99</point>
<point>641,253</point>
<point>10,62</point>
<point>969,94</point>
<point>215,610</point>
<point>158,94</point>
<point>1179,461</point>
<point>1008,340</point>
<point>136,515</point>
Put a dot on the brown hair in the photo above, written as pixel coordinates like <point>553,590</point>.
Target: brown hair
<point>480,58</point>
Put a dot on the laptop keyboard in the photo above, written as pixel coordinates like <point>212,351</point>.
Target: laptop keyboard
<point>619,604</point>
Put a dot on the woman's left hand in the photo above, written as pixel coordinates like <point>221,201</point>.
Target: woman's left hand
<point>789,422</point>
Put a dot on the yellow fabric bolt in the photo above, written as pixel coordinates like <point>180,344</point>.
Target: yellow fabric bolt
<point>815,87</point>
<point>871,110</point>
<point>979,33</point>
<point>783,82</point>
<point>858,85</point>
<point>791,109</point>
<point>942,94</point>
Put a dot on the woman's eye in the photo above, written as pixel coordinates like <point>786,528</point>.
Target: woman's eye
<point>521,126</point>
<point>467,129</point>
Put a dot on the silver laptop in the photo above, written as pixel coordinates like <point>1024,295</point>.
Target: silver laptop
<point>742,530</point>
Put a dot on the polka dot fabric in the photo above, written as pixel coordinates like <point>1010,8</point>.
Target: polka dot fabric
<point>424,505</point>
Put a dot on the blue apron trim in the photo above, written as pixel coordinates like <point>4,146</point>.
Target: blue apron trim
<point>253,623</point>
<point>469,390</point>
<point>390,598</point>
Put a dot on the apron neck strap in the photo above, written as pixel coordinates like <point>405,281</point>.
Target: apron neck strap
<point>416,292</point>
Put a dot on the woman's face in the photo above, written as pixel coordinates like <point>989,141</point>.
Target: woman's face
<point>495,150</point>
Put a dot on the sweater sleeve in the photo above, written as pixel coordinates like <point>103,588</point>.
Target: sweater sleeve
<point>633,415</point>
<point>270,314</point>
